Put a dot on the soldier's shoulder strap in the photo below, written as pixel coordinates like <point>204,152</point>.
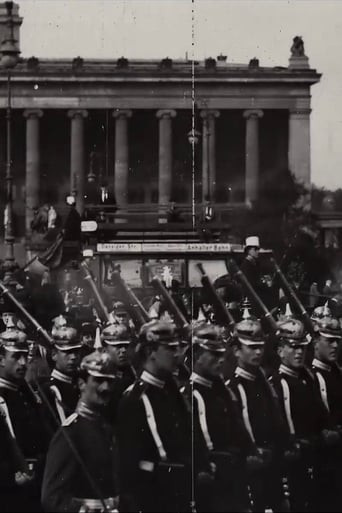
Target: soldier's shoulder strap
<point>58,402</point>
<point>70,420</point>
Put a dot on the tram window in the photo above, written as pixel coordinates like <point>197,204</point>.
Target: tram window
<point>130,270</point>
<point>213,268</point>
<point>167,269</point>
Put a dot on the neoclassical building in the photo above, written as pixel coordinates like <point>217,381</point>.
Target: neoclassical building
<point>125,124</point>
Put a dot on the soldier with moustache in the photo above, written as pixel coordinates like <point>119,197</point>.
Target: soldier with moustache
<point>262,419</point>
<point>22,411</point>
<point>154,430</point>
<point>80,472</point>
<point>62,390</point>
<point>218,423</point>
<point>307,422</point>
<point>116,340</point>
<point>328,380</point>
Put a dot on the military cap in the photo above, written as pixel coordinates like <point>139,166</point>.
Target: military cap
<point>249,331</point>
<point>119,308</point>
<point>88,328</point>
<point>15,340</point>
<point>115,334</point>
<point>208,336</point>
<point>65,338</point>
<point>292,331</point>
<point>328,327</point>
<point>99,364</point>
<point>159,332</point>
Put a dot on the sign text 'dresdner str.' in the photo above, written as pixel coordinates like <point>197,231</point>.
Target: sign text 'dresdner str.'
<point>149,247</point>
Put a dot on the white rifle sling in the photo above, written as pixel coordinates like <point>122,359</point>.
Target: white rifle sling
<point>287,405</point>
<point>323,390</point>
<point>58,403</point>
<point>245,413</point>
<point>4,410</point>
<point>151,421</point>
<point>203,420</point>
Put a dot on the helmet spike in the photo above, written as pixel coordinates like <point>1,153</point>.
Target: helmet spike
<point>326,310</point>
<point>288,311</point>
<point>97,343</point>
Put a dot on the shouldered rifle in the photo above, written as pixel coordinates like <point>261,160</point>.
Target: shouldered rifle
<point>232,266</point>
<point>292,296</point>
<point>88,276</point>
<point>171,306</point>
<point>45,340</point>
<point>134,306</point>
<point>222,314</point>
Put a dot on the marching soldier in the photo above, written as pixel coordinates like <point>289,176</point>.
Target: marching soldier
<point>116,341</point>
<point>218,422</point>
<point>155,430</point>
<point>62,390</point>
<point>261,417</point>
<point>21,409</point>
<point>306,419</point>
<point>87,337</point>
<point>80,472</point>
<point>328,379</point>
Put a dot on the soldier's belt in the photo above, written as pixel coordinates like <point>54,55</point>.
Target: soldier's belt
<point>97,505</point>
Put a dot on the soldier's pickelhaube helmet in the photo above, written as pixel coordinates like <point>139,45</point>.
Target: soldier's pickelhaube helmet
<point>209,337</point>
<point>292,331</point>
<point>65,338</point>
<point>159,332</point>
<point>321,311</point>
<point>15,340</point>
<point>249,331</point>
<point>115,334</point>
<point>328,327</point>
<point>99,364</point>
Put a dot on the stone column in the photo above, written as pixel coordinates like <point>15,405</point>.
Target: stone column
<point>252,154</point>
<point>77,165</point>
<point>165,155</point>
<point>209,154</point>
<point>299,144</point>
<point>32,165</point>
<point>121,156</point>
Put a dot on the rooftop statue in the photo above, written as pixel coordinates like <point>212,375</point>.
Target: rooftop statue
<point>297,48</point>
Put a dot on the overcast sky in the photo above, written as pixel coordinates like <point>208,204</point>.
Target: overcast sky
<point>240,29</point>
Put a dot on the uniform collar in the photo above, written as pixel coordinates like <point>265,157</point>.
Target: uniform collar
<point>84,411</point>
<point>242,373</point>
<point>196,378</point>
<point>61,377</point>
<point>284,369</point>
<point>147,377</point>
<point>318,364</point>
<point>5,383</point>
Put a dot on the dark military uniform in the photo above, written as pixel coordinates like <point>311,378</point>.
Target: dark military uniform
<point>155,447</point>
<point>305,419</point>
<point>81,463</point>
<point>218,422</point>
<point>62,394</point>
<point>262,419</point>
<point>328,381</point>
<point>65,480</point>
<point>24,411</point>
